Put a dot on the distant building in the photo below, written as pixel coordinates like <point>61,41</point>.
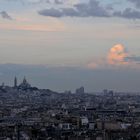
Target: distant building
<point>15,82</point>
<point>80,90</point>
<point>84,121</point>
<point>105,92</point>
<point>24,84</point>
<point>2,85</point>
<point>109,93</point>
<point>65,126</point>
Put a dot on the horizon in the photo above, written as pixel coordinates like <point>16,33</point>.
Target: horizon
<point>19,81</point>
<point>21,71</point>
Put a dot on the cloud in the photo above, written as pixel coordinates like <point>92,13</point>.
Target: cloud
<point>58,2</point>
<point>90,9</point>
<point>51,12</point>
<point>98,63</point>
<point>42,1</point>
<point>133,58</point>
<point>5,15</point>
<point>93,8</point>
<point>37,1</point>
<point>33,27</point>
<point>22,19</point>
<point>128,13</point>
<point>117,55</point>
<point>136,2</point>
<point>76,8</point>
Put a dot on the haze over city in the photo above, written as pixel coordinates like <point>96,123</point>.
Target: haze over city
<point>65,44</point>
<point>69,69</point>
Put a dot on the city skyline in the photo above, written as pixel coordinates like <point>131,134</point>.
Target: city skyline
<point>64,44</point>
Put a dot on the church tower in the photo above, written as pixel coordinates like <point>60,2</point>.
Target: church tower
<point>24,80</point>
<point>15,82</point>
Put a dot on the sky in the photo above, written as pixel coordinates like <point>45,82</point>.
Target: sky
<point>65,44</point>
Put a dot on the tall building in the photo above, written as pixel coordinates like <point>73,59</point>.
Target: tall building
<point>80,90</point>
<point>105,92</point>
<point>15,82</point>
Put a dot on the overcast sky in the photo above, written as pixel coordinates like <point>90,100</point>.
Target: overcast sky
<point>64,44</point>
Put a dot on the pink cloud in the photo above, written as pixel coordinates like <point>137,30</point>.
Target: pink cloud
<point>117,55</point>
<point>31,27</point>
